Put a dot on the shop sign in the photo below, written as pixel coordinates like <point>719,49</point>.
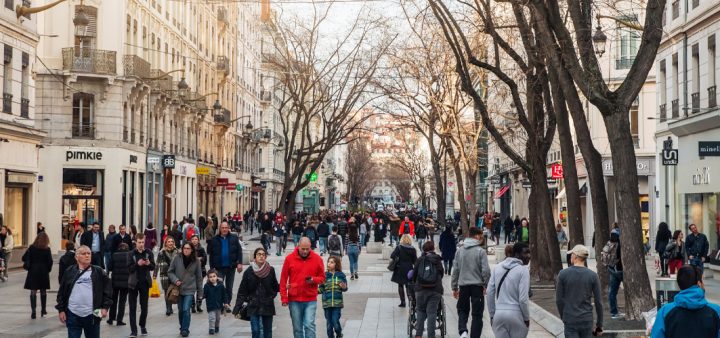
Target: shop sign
<point>669,156</point>
<point>202,171</point>
<point>263,184</point>
<point>557,170</point>
<point>83,155</point>
<point>24,178</point>
<point>706,148</point>
<point>257,188</point>
<point>644,167</point>
<point>153,160</point>
<point>169,161</point>
<point>221,182</point>
<point>702,176</point>
<point>239,187</point>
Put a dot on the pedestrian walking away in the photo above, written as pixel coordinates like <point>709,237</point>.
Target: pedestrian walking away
<point>225,254</point>
<point>335,244</point>
<point>84,296</point>
<point>448,248</point>
<point>689,314</point>
<point>215,300</point>
<point>38,262</point>
<point>575,287</point>
<point>469,279</point>
<point>508,294</point>
<point>404,256</point>
<point>302,272</point>
<point>139,283</point>
<point>257,292</point>
<point>611,257</point>
<point>427,277</point>
<point>332,297</point>
<point>67,260</point>
<point>662,239</point>
<point>353,250</point>
<point>119,269</point>
<point>185,272</point>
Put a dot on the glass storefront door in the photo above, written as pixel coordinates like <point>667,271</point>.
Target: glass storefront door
<point>16,213</point>
<point>702,210</point>
<point>83,195</point>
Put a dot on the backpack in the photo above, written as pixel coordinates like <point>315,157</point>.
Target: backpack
<point>427,273</point>
<point>608,256</point>
<point>190,233</point>
<point>334,245</point>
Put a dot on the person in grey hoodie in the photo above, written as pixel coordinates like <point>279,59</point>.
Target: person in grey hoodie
<point>575,286</point>
<point>469,278</point>
<point>508,294</point>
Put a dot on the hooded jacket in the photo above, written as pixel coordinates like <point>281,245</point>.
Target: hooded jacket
<point>689,315</point>
<point>513,294</point>
<point>295,270</point>
<point>470,266</point>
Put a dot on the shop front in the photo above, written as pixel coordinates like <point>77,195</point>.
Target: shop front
<point>184,191</point>
<point>207,177</point>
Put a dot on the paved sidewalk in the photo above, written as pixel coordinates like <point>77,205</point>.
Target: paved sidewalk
<point>370,310</point>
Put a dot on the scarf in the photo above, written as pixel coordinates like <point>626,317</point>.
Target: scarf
<point>261,271</point>
<point>187,260</point>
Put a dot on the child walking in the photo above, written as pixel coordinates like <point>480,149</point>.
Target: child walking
<point>215,300</point>
<point>332,299</point>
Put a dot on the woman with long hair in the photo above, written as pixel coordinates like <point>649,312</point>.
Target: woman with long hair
<point>133,232</point>
<point>353,250</point>
<point>661,242</point>
<point>202,255</point>
<point>257,291</point>
<point>38,261</point>
<point>675,252</point>
<point>406,255</point>
<point>6,246</point>
<point>165,257</point>
<point>185,272</point>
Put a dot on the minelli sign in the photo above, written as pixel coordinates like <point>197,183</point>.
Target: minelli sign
<point>83,155</point>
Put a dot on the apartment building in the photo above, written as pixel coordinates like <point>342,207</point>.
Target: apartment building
<point>688,119</point>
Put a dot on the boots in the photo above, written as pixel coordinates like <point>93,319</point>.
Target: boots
<point>401,292</point>
<point>33,304</point>
<point>43,302</point>
<point>199,306</point>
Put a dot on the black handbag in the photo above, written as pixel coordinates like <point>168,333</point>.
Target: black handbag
<point>393,263</point>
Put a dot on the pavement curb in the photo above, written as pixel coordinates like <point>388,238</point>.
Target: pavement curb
<point>548,321</point>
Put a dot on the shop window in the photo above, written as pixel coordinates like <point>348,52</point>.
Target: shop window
<point>702,210</point>
<point>82,195</point>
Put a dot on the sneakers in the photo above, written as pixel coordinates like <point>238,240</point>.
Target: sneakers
<point>464,335</point>
<point>143,331</point>
<point>217,329</point>
<point>618,315</point>
<point>109,321</point>
<point>132,335</point>
<point>120,324</point>
<point>211,332</point>
<point>184,333</point>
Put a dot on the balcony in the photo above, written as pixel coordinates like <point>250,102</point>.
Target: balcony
<point>24,108</point>
<point>695,102</point>
<point>624,62</point>
<point>223,118</point>
<point>663,112</point>
<point>712,96</point>
<point>223,65</point>
<point>265,96</point>
<point>164,83</point>
<point>83,130</point>
<point>675,108</point>
<point>88,60</point>
<point>7,103</point>
<point>136,66</point>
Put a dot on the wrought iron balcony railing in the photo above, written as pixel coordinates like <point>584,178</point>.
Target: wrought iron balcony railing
<point>86,130</point>
<point>88,60</point>
<point>136,66</point>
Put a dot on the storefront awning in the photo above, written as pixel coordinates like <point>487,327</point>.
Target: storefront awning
<point>583,189</point>
<point>560,195</point>
<point>502,191</point>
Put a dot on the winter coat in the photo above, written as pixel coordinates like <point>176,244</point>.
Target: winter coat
<point>163,265</point>
<point>311,233</point>
<point>202,255</point>
<point>696,246</point>
<point>508,225</point>
<point>411,228</point>
<point>513,295</point>
<point>191,281</point>
<point>214,250</point>
<point>9,243</point>
<point>470,266</point>
<point>87,240</point>
<point>101,288</point>
<point>120,269</point>
<point>662,239</point>
<point>674,251</point>
<point>406,255</point>
<point>67,260</point>
<point>258,293</point>
<point>421,232</point>
<point>293,284</point>
<point>331,291</point>
<point>688,315</point>
<point>323,230</point>
<point>447,245</point>
<point>138,272</point>
<point>434,259</point>
<point>40,262</point>
<point>150,239</point>
<point>215,296</point>
<point>117,239</point>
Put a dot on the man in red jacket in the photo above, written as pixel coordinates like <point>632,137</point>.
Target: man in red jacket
<point>301,274</point>
<point>407,227</point>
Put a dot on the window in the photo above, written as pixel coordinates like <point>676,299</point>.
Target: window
<point>629,43</point>
<point>10,4</point>
<point>24,86</point>
<point>7,80</point>
<point>83,108</point>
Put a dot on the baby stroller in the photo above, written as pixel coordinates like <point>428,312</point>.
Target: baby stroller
<point>412,316</point>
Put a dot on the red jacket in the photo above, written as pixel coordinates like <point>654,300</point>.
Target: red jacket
<point>293,287</point>
<point>402,228</point>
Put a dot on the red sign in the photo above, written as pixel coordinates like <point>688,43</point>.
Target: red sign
<point>557,170</point>
<point>221,182</point>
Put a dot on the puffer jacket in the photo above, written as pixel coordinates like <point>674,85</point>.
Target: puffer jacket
<point>331,291</point>
<point>119,268</point>
<point>434,259</point>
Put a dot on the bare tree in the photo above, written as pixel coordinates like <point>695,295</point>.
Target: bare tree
<point>360,169</point>
<point>322,86</point>
<point>415,162</point>
<point>401,181</point>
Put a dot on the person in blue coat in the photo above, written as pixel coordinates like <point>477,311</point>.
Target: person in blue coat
<point>690,314</point>
<point>448,249</point>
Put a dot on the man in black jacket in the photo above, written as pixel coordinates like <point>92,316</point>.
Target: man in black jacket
<point>697,247</point>
<point>139,283</point>
<point>225,254</point>
<point>96,242</point>
<point>121,237</point>
<point>91,291</point>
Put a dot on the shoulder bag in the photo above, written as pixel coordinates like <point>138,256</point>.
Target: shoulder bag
<point>172,294</point>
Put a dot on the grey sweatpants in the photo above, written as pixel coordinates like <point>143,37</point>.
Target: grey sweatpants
<point>509,324</point>
<point>427,302</point>
<point>214,318</point>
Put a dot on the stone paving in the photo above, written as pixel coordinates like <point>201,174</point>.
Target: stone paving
<point>370,310</point>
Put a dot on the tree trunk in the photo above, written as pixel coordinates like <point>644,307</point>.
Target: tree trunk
<point>572,188</point>
<point>439,184</point>
<point>547,237</point>
<point>540,259</point>
<point>472,192</point>
<point>636,280</point>
<point>460,191</point>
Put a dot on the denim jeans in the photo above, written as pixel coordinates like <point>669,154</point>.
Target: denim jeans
<point>76,325</point>
<point>296,239</point>
<point>353,252</point>
<point>323,244</point>
<point>302,315</point>
<point>261,326</point>
<point>332,318</point>
<point>420,243</point>
<point>697,262</point>
<point>184,311</point>
<point>228,276</point>
<point>616,278</point>
<point>279,245</point>
<point>108,258</point>
<point>394,239</point>
<point>362,239</point>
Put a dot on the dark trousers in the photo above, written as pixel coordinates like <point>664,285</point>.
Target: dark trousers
<point>508,236</point>
<point>97,259</point>
<point>117,310</point>
<point>470,295</point>
<point>141,291</point>
<point>228,276</point>
<point>76,325</point>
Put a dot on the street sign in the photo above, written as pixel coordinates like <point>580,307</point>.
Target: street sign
<point>153,159</point>
<point>557,170</point>
<point>669,156</point>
